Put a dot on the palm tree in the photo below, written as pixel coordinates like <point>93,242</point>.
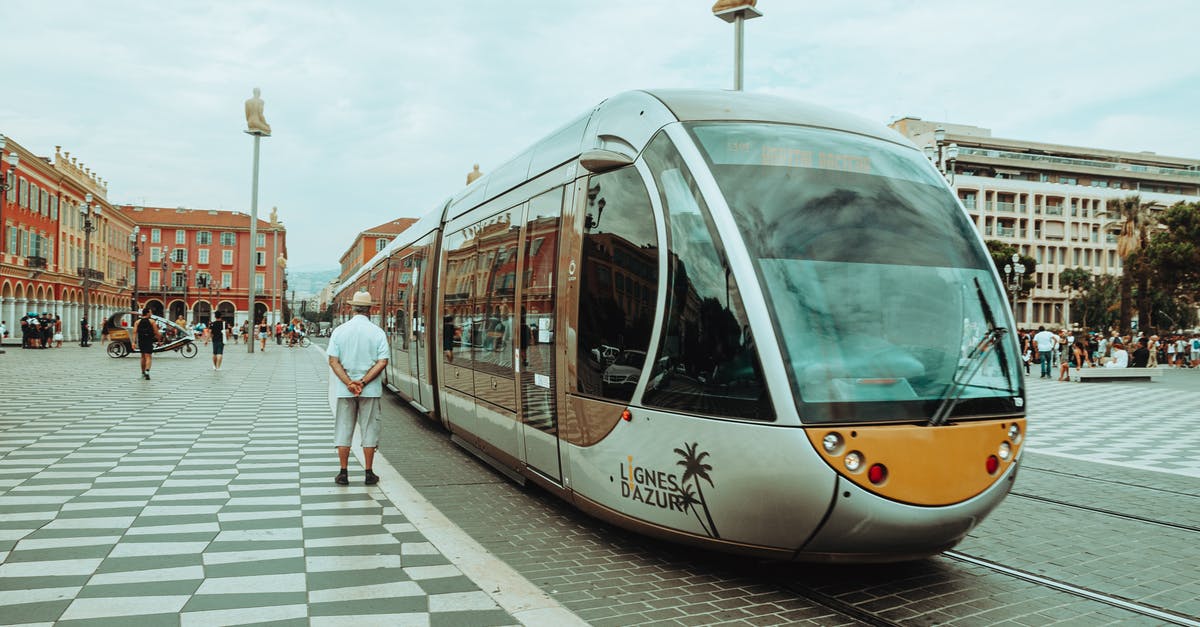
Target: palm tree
<point>687,497</point>
<point>1134,219</point>
<point>694,469</point>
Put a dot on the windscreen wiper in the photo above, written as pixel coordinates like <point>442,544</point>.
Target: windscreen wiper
<point>967,371</point>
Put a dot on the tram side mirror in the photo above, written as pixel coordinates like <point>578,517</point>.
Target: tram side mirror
<point>600,160</point>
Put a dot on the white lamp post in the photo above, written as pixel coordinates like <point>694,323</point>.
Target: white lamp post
<point>86,212</point>
<point>737,13</point>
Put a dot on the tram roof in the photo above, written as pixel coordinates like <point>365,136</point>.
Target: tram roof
<point>696,105</point>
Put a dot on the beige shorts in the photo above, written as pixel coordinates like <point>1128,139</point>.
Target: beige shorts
<point>363,411</point>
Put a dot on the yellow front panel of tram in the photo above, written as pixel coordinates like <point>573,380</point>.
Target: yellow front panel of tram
<point>925,465</point>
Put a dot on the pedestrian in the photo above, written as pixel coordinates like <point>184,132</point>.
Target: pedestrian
<point>58,334</point>
<point>147,335</point>
<point>264,331</point>
<point>1045,342</point>
<point>358,354</point>
<point>217,331</point>
<point>83,331</point>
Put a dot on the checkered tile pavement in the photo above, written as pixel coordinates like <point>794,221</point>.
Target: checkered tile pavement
<point>1144,425</point>
<point>201,498</point>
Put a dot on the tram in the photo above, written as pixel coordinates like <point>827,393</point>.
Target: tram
<point>723,319</point>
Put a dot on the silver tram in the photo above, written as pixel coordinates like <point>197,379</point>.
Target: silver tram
<point>724,319</point>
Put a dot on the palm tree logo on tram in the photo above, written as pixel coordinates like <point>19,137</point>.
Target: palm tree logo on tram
<point>694,469</point>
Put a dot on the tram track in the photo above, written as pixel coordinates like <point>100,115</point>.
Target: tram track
<point>1107,512</point>
<point>1142,609</point>
<point>1107,481</point>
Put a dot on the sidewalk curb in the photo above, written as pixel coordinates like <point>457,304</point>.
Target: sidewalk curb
<point>513,592</point>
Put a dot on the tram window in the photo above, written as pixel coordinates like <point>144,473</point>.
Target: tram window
<point>707,363</point>
<point>614,334</point>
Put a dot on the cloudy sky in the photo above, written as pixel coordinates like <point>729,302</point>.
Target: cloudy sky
<point>379,108</point>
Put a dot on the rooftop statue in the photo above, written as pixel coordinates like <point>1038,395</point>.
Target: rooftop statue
<point>256,124</point>
<point>473,174</point>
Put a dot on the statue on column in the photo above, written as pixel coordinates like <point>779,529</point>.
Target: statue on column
<point>722,5</point>
<point>473,174</point>
<point>274,216</point>
<point>255,122</point>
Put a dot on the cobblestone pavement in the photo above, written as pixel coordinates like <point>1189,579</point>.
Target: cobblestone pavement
<point>205,497</point>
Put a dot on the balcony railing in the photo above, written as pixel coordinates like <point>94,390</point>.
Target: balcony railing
<point>36,262</point>
<point>1110,165</point>
<point>1110,238</point>
<point>1006,207</point>
<point>1006,231</point>
<point>90,274</point>
<point>1052,210</point>
<point>969,203</point>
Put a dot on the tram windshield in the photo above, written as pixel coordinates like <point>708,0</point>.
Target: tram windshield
<point>877,285</point>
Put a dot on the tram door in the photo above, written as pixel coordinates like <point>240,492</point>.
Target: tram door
<point>418,314</point>
<point>539,413</point>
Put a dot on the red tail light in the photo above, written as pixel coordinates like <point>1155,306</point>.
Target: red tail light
<point>877,474</point>
<point>626,415</point>
<point>992,465</point>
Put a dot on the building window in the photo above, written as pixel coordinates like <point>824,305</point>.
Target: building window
<point>228,238</point>
<point>154,279</point>
<point>226,280</point>
<point>203,279</point>
<point>204,238</point>
<point>259,281</point>
<point>155,236</point>
<point>380,244</point>
<point>155,255</point>
<point>260,258</point>
<point>262,240</point>
<point>180,236</point>
<point>179,255</point>
<point>202,256</point>
<point>227,257</point>
<point>54,208</point>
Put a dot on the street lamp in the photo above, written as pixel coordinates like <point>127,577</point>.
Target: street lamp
<point>13,160</point>
<point>135,247</point>
<point>87,212</point>
<point>163,282</point>
<point>942,155</point>
<point>1014,274</point>
<point>736,12</point>
<point>187,277</point>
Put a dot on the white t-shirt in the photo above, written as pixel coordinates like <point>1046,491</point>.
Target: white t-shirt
<point>1045,340</point>
<point>1120,359</point>
<point>357,344</point>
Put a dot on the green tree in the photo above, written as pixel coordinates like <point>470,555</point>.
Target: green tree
<point>1134,220</point>
<point>1174,252</point>
<point>1098,302</point>
<point>1073,280</point>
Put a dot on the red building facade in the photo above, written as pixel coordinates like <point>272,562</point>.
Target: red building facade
<point>199,264</point>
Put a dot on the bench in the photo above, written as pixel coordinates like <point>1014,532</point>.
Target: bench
<point>1114,374</point>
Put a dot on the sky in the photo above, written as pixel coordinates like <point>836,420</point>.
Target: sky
<point>379,109</point>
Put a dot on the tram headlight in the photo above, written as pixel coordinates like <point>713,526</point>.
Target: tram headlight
<point>1005,451</point>
<point>1014,433</point>
<point>854,461</point>
<point>832,443</point>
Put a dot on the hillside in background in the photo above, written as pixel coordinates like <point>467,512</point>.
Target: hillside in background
<point>309,283</point>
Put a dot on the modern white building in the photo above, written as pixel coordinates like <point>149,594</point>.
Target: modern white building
<point>1049,200</point>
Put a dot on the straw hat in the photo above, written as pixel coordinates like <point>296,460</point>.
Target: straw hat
<point>361,299</point>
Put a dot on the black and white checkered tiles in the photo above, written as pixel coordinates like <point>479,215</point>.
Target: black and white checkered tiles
<point>1149,426</point>
<point>200,497</point>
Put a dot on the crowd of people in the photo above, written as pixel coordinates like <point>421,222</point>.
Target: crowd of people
<point>38,330</point>
<point>1059,352</point>
<point>232,332</point>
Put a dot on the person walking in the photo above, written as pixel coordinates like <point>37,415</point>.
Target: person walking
<point>264,331</point>
<point>358,353</point>
<point>1045,342</point>
<point>147,335</point>
<point>217,330</point>
<point>83,331</point>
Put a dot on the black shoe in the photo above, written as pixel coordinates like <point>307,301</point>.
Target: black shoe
<point>342,478</point>
<point>146,375</point>
<point>372,478</point>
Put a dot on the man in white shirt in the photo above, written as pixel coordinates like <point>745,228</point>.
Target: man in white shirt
<point>1120,358</point>
<point>358,353</point>
<point>1045,342</point>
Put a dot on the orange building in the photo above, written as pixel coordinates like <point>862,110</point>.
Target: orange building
<point>369,242</point>
<point>197,263</point>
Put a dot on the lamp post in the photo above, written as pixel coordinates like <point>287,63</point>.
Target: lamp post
<point>13,160</point>
<point>736,12</point>
<point>163,281</point>
<point>257,128</point>
<point>942,155</point>
<point>86,212</point>
<point>135,248</point>
<point>1014,274</point>
<point>187,277</point>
